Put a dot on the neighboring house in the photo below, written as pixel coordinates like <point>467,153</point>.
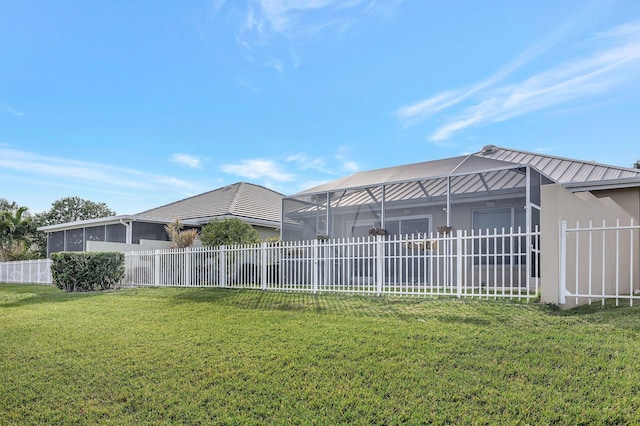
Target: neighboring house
<point>254,204</point>
<point>493,189</point>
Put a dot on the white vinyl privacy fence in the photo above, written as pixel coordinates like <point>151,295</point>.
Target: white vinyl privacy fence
<point>599,262</point>
<point>26,271</point>
<point>492,264</point>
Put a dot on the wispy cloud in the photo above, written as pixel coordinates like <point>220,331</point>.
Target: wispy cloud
<point>187,160</point>
<point>54,169</point>
<point>611,65</point>
<point>332,165</point>
<point>11,111</point>
<point>280,25</point>
<point>258,169</point>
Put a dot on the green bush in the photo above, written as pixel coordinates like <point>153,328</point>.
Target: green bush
<point>228,231</point>
<point>86,271</point>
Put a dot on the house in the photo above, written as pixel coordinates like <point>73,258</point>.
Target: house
<point>254,204</point>
<point>492,190</point>
<point>511,203</point>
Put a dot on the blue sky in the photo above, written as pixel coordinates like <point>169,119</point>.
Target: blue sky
<point>138,104</point>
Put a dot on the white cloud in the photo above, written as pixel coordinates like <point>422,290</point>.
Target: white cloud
<point>60,170</point>
<point>258,168</point>
<point>612,66</point>
<point>268,29</point>
<point>187,160</point>
<point>12,111</point>
<point>306,162</point>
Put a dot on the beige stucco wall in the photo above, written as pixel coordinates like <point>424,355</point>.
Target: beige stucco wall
<point>267,232</point>
<point>559,204</point>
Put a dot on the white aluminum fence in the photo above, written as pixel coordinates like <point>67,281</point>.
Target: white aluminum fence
<point>599,262</point>
<point>26,271</point>
<point>489,264</point>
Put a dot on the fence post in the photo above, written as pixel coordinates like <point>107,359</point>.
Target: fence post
<point>156,264</point>
<point>222,267</point>
<point>459,262</point>
<point>263,265</point>
<point>187,266</point>
<point>562,281</point>
<point>314,266</point>
<point>379,264</point>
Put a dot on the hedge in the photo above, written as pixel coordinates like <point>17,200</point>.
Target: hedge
<point>87,271</point>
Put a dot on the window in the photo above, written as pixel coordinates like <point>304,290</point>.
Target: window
<point>75,239</point>
<point>116,233</point>
<point>412,226</point>
<point>494,222</point>
<point>94,233</point>
<point>55,242</point>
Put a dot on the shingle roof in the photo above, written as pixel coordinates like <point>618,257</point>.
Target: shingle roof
<point>240,199</point>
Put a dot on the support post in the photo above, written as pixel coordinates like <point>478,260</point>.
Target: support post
<point>156,264</point>
<point>379,264</point>
<point>222,266</point>
<point>459,260</point>
<point>562,281</point>
<point>315,269</point>
<point>263,265</point>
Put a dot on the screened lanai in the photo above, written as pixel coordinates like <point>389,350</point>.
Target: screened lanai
<point>472,192</point>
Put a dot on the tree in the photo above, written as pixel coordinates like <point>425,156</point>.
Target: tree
<point>73,209</point>
<point>69,209</point>
<point>6,205</point>
<point>228,231</point>
<point>16,232</point>
<point>636,165</point>
<point>180,238</point>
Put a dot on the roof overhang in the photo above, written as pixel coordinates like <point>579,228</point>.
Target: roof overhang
<point>111,220</point>
<point>120,219</point>
<point>602,185</point>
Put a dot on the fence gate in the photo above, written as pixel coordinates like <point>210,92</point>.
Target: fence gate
<point>599,262</point>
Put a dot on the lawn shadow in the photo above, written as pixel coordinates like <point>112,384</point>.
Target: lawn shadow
<point>14,296</point>
<point>369,306</point>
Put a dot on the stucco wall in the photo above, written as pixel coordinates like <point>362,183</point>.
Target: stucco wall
<point>559,204</point>
<point>122,247</point>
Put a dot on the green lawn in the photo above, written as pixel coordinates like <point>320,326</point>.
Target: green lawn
<point>203,356</point>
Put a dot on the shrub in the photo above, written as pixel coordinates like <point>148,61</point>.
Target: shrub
<point>85,271</point>
<point>228,232</point>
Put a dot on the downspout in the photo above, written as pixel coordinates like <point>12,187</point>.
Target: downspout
<point>127,225</point>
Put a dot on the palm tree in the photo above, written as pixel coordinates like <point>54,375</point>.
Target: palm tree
<point>15,227</point>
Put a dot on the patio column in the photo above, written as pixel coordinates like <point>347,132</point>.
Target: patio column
<point>449,200</point>
<point>382,208</point>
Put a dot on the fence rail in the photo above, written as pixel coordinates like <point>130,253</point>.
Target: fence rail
<point>599,262</point>
<point>497,263</point>
<point>489,264</point>
<point>26,271</point>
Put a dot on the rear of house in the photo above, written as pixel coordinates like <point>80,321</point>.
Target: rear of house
<point>254,204</point>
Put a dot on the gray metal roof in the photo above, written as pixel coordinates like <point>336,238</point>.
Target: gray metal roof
<point>559,169</point>
<point>487,169</point>
<point>242,199</point>
<point>412,172</point>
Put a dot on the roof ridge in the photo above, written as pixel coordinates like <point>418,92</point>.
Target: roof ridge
<point>557,157</point>
<point>236,198</point>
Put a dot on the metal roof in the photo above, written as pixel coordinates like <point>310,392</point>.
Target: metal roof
<point>559,169</point>
<point>242,199</point>
<point>413,172</point>
<point>490,166</point>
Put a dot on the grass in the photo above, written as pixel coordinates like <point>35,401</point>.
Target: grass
<point>213,356</point>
